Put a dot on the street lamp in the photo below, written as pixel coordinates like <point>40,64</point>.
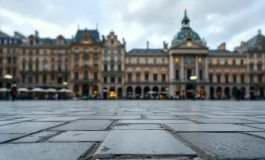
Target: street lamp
<point>193,78</point>
<point>65,84</point>
<point>8,76</point>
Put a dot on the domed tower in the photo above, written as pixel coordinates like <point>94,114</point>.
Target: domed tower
<point>186,31</point>
<point>188,63</point>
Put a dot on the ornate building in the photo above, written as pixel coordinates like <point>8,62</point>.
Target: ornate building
<point>146,70</point>
<point>44,62</point>
<point>254,50</point>
<point>227,73</point>
<point>9,63</point>
<point>90,65</point>
<point>85,62</point>
<point>188,56</point>
<point>112,68</point>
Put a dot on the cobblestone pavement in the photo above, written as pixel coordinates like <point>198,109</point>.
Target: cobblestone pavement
<point>184,130</point>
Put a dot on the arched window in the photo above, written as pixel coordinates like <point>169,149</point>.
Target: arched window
<point>45,65</point>
<point>37,64</point>
<point>76,50</point>
<point>251,66</point>
<point>30,64</point>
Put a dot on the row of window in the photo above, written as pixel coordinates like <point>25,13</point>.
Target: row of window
<point>234,78</point>
<point>226,62</point>
<point>35,78</point>
<point>112,67</point>
<point>86,50</point>
<point>146,77</point>
<point>44,52</point>
<point>8,41</point>
<point>112,58</point>
<point>163,61</point>
<point>218,78</point>
<point>37,60</point>
<point>86,62</point>
<point>85,77</point>
<point>9,60</point>
<point>259,67</point>
<point>252,56</point>
<point>44,67</point>
<point>112,79</point>
<point>112,51</point>
<point>227,70</point>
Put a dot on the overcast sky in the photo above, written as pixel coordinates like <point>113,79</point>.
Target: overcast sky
<point>138,21</point>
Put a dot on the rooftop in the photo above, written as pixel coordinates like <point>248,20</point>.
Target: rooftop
<point>143,52</point>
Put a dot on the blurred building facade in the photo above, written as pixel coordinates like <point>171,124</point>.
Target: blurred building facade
<point>92,65</point>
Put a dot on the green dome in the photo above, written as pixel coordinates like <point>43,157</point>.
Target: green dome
<point>186,31</point>
<point>180,36</point>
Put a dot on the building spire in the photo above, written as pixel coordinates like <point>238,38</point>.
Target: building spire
<point>185,21</point>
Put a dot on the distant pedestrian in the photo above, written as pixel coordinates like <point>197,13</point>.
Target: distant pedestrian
<point>13,93</point>
<point>56,96</point>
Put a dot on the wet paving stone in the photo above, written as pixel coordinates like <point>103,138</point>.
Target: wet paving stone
<point>131,129</point>
<point>7,137</point>
<point>27,127</point>
<point>141,142</point>
<point>43,151</point>
<point>36,137</point>
<point>112,117</point>
<point>152,121</point>
<point>137,127</point>
<point>211,128</point>
<point>228,145</point>
<point>84,125</point>
<point>163,117</point>
<point>261,126</point>
<point>8,122</point>
<point>260,134</point>
<point>80,136</point>
<point>57,119</point>
<point>222,121</point>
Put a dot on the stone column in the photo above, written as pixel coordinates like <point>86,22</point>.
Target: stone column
<point>133,91</point>
<point>142,91</point>
<point>206,70</point>
<point>197,68</point>
<point>207,92</point>
<point>182,88</point>
<point>182,69</point>
<point>171,68</point>
<point>172,90</point>
<point>124,91</point>
<point>90,92</point>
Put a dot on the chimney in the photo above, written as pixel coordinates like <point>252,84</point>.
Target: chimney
<point>259,32</point>
<point>147,44</point>
<point>165,45</point>
<point>242,44</point>
<point>222,46</point>
<point>124,42</point>
<point>36,33</point>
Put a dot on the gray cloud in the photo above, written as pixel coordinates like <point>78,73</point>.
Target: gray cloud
<point>216,21</point>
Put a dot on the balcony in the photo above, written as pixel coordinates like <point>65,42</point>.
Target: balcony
<point>83,81</point>
<point>41,84</point>
<point>147,82</point>
<point>189,81</point>
<point>114,73</point>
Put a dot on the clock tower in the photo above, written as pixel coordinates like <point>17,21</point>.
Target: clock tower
<point>188,57</point>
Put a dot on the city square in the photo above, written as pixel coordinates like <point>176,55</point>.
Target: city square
<point>132,129</point>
